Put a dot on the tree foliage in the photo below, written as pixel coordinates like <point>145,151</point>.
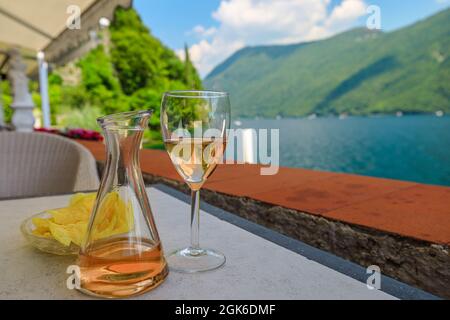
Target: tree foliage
<point>141,60</point>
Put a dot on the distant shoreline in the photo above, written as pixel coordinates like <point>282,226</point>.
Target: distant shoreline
<point>371,115</point>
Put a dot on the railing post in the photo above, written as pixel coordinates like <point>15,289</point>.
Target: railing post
<point>249,146</point>
<point>43,87</point>
<point>2,114</point>
<point>23,118</point>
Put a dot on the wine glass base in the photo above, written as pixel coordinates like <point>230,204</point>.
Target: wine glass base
<point>190,260</point>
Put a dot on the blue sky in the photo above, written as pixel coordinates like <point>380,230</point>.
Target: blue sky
<point>214,29</point>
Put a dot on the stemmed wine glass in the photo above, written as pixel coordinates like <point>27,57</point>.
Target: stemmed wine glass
<point>194,128</point>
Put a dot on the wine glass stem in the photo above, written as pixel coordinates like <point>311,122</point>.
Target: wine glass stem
<point>195,219</point>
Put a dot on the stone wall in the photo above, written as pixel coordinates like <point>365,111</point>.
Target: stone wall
<point>417,263</point>
<point>70,44</point>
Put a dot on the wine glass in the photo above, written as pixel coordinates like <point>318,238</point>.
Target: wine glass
<point>194,128</point>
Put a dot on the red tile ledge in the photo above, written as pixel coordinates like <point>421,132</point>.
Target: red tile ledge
<point>408,209</point>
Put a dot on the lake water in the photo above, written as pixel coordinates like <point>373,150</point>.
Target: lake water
<point>414,148</point>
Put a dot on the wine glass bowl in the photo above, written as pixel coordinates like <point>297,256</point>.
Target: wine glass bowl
<point>194,127</point>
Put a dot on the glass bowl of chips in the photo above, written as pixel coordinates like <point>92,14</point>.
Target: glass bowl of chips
<point>61,231</point>
<point>45,242</point>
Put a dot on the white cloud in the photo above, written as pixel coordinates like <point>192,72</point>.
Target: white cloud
<point>201,31</point>
<point>256,22</point>
<point>347,11</point>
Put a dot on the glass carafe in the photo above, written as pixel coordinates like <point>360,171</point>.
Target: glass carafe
<point>121,254</point>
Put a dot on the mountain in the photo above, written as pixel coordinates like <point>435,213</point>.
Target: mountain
<point>355,72</point>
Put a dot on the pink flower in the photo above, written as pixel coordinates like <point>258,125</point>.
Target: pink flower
<point>78,133</point>
<point>84,134</point>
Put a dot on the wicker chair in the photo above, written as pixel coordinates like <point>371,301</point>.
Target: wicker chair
<point>38,164</point>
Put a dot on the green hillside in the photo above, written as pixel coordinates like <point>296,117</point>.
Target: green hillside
<point>356,72</point>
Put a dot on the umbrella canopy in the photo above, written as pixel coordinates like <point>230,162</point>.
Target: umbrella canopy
<point>33,26</point>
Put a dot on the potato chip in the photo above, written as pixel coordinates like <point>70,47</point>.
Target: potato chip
<point>113,217</point>
<point>42,232</point>
<point>68,225</point>
<point>41,223</point>
<point>60,233</point>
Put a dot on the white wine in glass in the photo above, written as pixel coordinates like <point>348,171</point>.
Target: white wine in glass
<point>194,127</point>
<point>195,159</point>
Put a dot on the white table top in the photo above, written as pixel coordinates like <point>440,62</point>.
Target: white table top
<point>255,269</point>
